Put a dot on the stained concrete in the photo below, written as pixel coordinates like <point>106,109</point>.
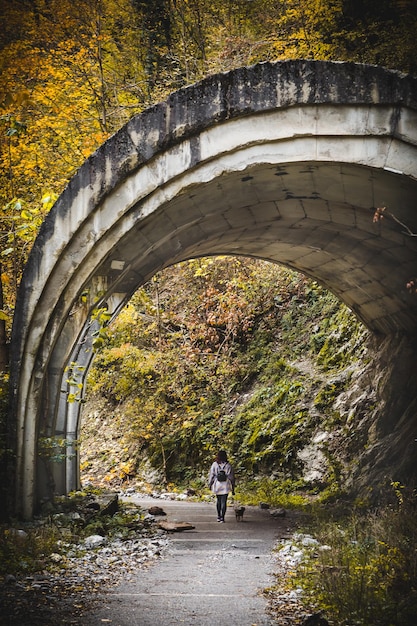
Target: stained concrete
<point>282,161</point>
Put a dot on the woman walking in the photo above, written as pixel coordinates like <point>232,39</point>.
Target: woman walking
<point>221,482</point>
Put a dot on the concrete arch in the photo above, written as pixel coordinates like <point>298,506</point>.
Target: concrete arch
<point>285,162</point>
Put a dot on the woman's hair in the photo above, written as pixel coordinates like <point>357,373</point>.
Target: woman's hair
<point>221,457</point>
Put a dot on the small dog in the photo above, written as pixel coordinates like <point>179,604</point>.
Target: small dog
<point>239,510</point>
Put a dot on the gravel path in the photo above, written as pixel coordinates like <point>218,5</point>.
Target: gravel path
<point>212,574</point>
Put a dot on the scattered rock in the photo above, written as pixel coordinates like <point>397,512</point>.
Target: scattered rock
<point>168,495</point>
<point>94,541</point>
<point>316,619</point>
<point>290,556</point>
<point>9,579</point>
<point>109,503</point>
<point>156,510</point>
<point>76,572</point>
<point>74,516</point>
<point>19,535</point>
<point>305,540</point>
<point>93,506</point>
<point>175,526</point>
<point>278,512</point>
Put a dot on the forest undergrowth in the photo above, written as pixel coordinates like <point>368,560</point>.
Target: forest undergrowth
<point>359,565</point>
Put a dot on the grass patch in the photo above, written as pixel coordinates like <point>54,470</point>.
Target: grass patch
<point>277,493</point>
<point>26,551</point>
<point>363,570</point>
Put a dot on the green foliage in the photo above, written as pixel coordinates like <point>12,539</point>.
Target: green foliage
<point>55,448</point>
<point>75,386</point>
<point>200,359</point>
<point>277,493</point>
<point>364,572</point>
<point>101,317</point>
<point>330,342</point>
<point>122,524</point>
<point>25,551</point>
<point>270,429</point>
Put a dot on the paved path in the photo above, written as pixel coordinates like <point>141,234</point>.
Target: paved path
<point>211,576</point>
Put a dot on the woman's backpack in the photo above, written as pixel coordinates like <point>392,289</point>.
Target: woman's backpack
<point>221,474</point>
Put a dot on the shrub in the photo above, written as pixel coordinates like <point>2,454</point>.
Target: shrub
<point>364,571</point>
<point>26,550</point>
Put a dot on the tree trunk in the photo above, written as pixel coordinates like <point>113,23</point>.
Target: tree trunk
<point>4,360</point>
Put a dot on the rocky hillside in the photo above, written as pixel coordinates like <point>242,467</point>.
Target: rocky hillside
<point>299,391</point>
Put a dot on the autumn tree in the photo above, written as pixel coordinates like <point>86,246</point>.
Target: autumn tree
<point>56,107</point>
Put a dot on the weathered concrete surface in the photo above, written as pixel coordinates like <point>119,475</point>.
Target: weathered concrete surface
<point>285,162</point>
<point>212,575</point>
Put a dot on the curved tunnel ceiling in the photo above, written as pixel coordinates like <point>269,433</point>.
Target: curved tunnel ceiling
<point>316,218</point>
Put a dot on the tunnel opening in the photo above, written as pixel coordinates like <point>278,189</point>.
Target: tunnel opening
<point>229,352</point>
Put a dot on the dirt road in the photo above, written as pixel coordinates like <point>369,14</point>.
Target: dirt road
<point>211,575</point>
